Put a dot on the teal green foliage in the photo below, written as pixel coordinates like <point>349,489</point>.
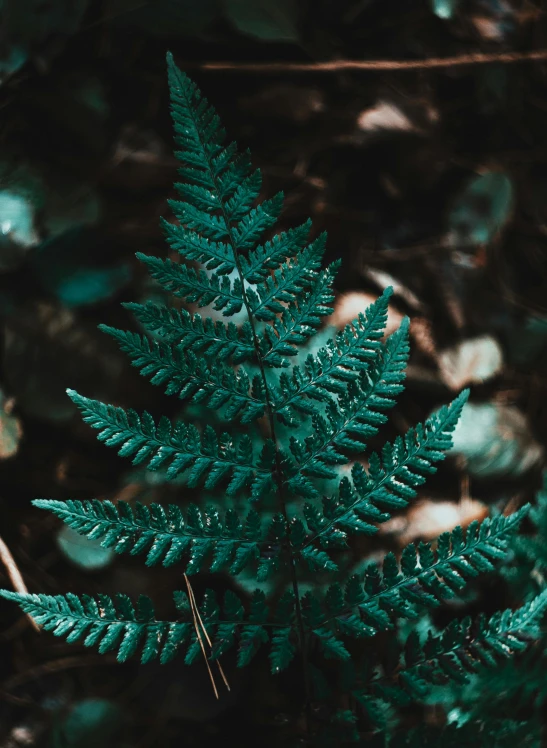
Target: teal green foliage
<point>90,722</point>
<point>516,686</point>
<point>287,431</point>
<point>534,548</point>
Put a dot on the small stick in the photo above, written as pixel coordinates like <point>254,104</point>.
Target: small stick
<point>332,66</point>
<point>15,576</point>
<point>191,597</point>
<point>195,607</point>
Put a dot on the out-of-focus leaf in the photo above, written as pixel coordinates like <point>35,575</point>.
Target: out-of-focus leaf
<point>444,9</point>
<point>528,342</point>
<point>65,268</point>
<point>31,199</point>
<point>17,219</point>
<point>470,361</point>
<point>11,430</point>
<point>22,196</point>
<point>164,17</point>
<point>14,59</point>
<point>428,519</point>
<point>269,20</point>
<point>384,116</point>
<point>70,205</point>
<point>87,554</point>
<point>90,92</point>
<point>481,210</point>
<point>90,723</point>
<point>45,351</point>
<point>26,24</point>
<point>495,439</point>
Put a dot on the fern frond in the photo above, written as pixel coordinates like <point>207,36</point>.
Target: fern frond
<point>533,548</point>
<point>111,623</point>
<point>390,483</point>
<point>256,266</point>
<point>203,540</point>
<point>423,579</point>
<point>338,363</point>
<point>190,332</point>
<point>288,283</point>
<point>299,321</point>
<point>462,649</point>
<point>196,286</point>
<point>227,212</point>
<point>357,414</point>
<point>247,232</point>
<point>189,376</point>
<point>181,446</point>
<point>193,246</point>
<point>116,626</point>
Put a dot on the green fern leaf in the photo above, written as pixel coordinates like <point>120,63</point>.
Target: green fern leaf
<point>464,648</point>
<point>423,580</point>
<point>164,535</point>
<point>111,624</point>
<point>256,266</point>
<point>298,322</point>
<point>357,414</point>
<point>253,635</point>
<point>338,363</point>
<point>196,286</point>
<point>287,283</point>
<point>195,334</point>
<point>187,376</point>
<point>197,456</point>
<point>391,481</point>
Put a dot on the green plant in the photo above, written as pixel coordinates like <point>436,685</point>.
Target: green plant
<point>276,520</point>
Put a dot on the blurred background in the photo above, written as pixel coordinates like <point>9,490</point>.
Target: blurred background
<point>432,180</point>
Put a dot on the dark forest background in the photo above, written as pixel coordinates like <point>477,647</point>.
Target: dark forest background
<point>430,179</point>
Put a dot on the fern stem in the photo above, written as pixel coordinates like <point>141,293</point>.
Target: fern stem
<point>271,420</point>
<point>280,486</point>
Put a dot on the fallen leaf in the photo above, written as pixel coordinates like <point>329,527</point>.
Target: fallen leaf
<point>495,439</point>
<point>470,361</point>
<point>428,519</point>
<point>384,116</point>
<point>11,430</point>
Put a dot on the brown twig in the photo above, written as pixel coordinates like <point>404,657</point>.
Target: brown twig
<point>333,66</point>
<point>198,634</point>
<point>15,575</point>
<point>198,620</point>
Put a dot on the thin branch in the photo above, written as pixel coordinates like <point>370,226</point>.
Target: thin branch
<point>333,66</point>
<point>15,575</point>
<point>198,634</point>
<point>195,608</point>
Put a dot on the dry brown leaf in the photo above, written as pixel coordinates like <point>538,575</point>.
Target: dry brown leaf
<point>428,519</point>
<point>470,361</point>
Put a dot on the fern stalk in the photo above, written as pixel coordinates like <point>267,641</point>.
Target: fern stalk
<point>173,71</point>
